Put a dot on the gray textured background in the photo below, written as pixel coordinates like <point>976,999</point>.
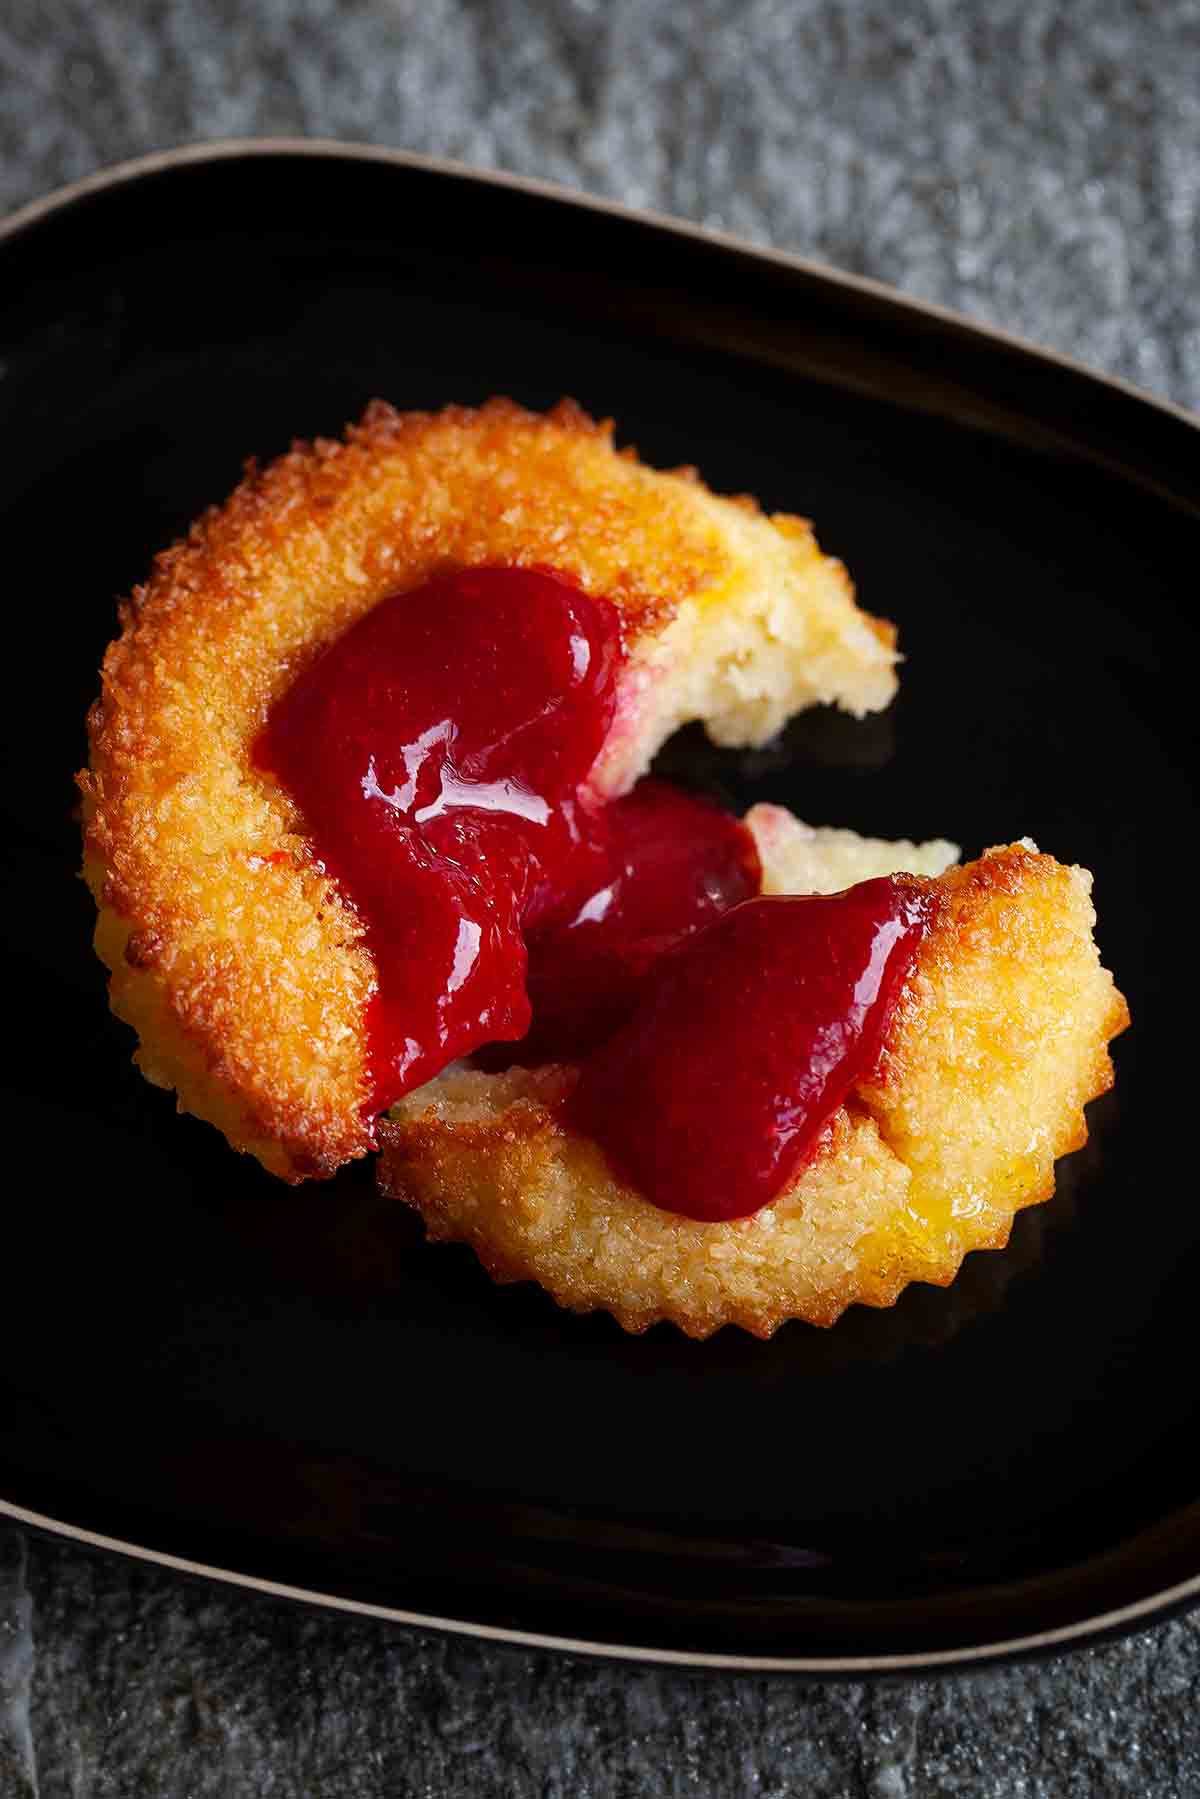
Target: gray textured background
<point>1035,164</point>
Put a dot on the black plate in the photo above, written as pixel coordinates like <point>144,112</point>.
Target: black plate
<point>290,1387</point>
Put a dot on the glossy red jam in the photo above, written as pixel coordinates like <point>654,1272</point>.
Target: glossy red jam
<point>439,753</point>
<point>744,1043</point>
<point>664,863</point>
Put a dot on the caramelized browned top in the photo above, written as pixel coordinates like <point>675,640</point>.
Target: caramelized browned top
<point>232,954</point>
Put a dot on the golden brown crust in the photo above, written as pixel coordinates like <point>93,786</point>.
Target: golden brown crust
<point>1000,1040</point>
<point>237,961</point>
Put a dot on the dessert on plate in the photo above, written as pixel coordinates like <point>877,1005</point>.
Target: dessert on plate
<point>368,824</point>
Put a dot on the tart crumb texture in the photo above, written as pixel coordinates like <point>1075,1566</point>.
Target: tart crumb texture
<point>999,1040</point>
<point>800,858</point>
<point>239,964</point>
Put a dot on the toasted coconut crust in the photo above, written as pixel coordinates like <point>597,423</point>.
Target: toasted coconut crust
<point>999,1040</point>
<point>236,960</point>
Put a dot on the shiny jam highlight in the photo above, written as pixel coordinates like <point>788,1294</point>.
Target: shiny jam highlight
<point>747,1040</point>
<point>440,753</point>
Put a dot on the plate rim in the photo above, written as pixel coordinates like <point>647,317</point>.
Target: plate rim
<point>1079,1635</point>
<point>333,149</point>
<point>1155,1606</point>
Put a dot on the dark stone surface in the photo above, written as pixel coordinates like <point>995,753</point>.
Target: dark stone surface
<point>146,1684</point>
<point>1034,164</point>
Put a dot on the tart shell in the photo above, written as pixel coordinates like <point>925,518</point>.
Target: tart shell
<point>238,962</point>
<point>999,1040</point>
